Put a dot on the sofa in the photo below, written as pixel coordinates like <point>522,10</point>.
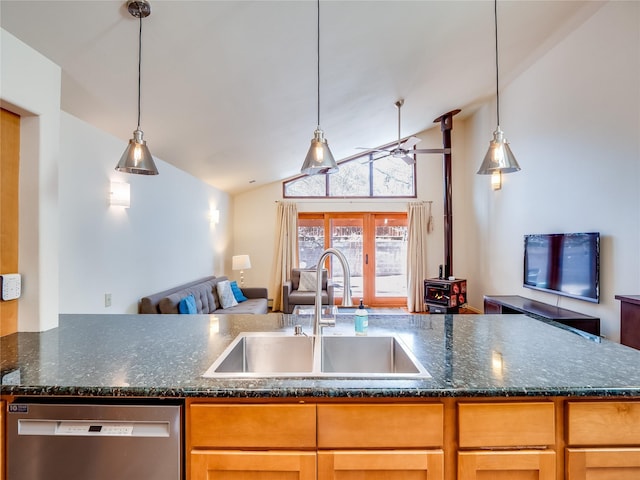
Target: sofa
<point>206,299</point>
<point>292,295</point>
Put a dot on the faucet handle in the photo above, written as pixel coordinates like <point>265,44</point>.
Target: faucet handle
<point>328,322</point>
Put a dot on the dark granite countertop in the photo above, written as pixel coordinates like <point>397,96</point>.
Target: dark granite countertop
<point>166,355</point>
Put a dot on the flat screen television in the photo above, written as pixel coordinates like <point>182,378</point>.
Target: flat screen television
<point>563,263</point>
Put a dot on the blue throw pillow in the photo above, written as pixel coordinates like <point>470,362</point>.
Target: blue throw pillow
<point>237,292</point>
<point>188,305</point>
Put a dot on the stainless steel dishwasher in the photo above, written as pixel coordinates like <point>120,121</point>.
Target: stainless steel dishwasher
<point>93,441</point>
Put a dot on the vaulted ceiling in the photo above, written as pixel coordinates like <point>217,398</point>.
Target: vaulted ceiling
<point>229,87</point>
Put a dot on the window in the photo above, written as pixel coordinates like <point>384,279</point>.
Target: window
<point>358,177</point>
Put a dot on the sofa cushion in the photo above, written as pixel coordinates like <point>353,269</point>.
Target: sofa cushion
<point>251,306</point>
<point>151,303</point>
<point>187,305</point>
<point>225,295</point>
<point>237,293</point>
<point>308,281</point>
<point>203,294</point>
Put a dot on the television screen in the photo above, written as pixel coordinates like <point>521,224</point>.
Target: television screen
<point>563,263</point>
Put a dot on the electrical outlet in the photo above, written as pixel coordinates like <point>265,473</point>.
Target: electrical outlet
<point>107,299</point>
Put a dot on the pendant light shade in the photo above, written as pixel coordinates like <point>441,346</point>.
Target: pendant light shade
<point>137,157</point>
<point>319,158</point>
<point>499,157</point>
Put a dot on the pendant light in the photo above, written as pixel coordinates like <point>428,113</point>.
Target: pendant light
<point>319,158</point>
<point>137,157</point>
<point>499,158</point>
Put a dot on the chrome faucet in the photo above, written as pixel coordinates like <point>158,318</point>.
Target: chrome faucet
<point>346,296</point>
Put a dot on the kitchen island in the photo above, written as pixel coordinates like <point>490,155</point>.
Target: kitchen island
<point>511,391</point>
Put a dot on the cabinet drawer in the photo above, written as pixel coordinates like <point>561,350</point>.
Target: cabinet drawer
<point>525,424</point>
<point>380,426</point>
<point>604,423</point>
<point>252,426</point>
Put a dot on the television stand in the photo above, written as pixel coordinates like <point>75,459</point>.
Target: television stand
<point>510,304</point>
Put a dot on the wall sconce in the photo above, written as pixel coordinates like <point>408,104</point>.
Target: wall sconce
<point>496,180</point>
<point>120,195</point>
<point>214,216</point>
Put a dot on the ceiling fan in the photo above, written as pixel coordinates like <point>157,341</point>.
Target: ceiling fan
<point>403,150</point>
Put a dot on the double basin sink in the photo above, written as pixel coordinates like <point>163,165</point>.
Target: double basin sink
<point>276,354</point>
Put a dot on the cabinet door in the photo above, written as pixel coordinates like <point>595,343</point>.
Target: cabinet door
<point>507,465</point>
<point>381,465</point>
<point>603,463</point>
<point>234,465</point>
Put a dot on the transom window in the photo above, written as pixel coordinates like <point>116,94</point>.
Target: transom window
<point>361,177</point>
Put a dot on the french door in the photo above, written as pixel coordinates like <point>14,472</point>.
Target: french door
<point>375,245</point>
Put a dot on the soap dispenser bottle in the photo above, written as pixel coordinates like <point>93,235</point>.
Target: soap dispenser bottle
<point>361,320</point>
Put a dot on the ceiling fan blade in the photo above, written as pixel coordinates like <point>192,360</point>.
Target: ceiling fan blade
<point>408,159</point>
<point>372,149</point>
<point>431,150</point>
<point>371,159</point>
<point>410,142</point>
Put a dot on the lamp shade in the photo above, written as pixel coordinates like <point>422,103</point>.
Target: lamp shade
<point>499,156</point>
<point>319,158</point>
<point>137,157</point>
<point>240,262</point>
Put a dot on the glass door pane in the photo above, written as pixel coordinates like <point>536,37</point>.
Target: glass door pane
<point>390,256</point>
<point>310,241</point>
<point>347,236</point>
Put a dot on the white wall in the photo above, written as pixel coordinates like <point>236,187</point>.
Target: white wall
<point>164,239</point>
<point>31,88</point>
<point>254,212</point>
<point>573,121</point>
<point>73,247</point>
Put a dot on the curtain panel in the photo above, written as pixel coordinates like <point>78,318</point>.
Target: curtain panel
<point>420,223</point>
<point>285,256</point>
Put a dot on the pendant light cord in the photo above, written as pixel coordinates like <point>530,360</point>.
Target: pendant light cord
<point>495,19</point>
<point>139,60</point>
<point>318,60</point>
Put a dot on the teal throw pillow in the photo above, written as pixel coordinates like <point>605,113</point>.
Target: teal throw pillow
<point>188,305</point>
<point>237,292</point>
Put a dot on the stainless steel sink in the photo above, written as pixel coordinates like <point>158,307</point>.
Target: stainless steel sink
<point>374,356</point>
<point>265,354</point>
<point>261,354</point>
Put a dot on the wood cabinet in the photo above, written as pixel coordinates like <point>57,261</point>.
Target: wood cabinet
<point>270,441</point>
<point>510,440</point>
<point>513,304</point>
<point>381,441</point>
<point>232,465</point>
<point>381,465</point>
<point>294,441</point>
<point>603,440</point>
<point>427,439</point>
<point>629,320</point>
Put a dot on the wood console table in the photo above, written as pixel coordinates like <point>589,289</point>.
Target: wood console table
<point>629,320</point>
<point>509,304</point>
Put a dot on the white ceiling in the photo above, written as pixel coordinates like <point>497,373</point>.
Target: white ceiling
<point>229,87</point>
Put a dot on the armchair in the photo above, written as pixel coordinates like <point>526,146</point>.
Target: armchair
<point>292,295</point>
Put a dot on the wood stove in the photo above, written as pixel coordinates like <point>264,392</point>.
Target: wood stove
<point>445,296</point>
